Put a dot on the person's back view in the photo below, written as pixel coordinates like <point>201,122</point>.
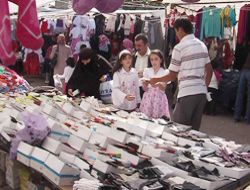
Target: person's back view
<point>191,64</point>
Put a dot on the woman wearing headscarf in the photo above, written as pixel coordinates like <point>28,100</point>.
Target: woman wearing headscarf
<point>89,72</point>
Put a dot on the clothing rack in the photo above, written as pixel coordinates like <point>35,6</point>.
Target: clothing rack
<point>215,2</point>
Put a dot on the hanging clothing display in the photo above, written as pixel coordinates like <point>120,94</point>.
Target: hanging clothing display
<point>198,21</point>
<point>110,27</point>
<point>32,60</point>
<point>211,23</point>
<point>27,29</point>
<point>80,33</point>
<point>244,26</point>
<point>153,29</point>
<point>6,50</point>
<point>243,37</point>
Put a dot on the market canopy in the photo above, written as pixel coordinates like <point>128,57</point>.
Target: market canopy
<point>46,7</point>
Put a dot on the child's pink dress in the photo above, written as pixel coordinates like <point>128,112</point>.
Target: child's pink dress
<point>154,102</point>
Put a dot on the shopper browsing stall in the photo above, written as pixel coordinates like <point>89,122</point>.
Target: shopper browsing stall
<point>191,64</point>
<point>154,102</point>
<point>88,74</point>
<point>126,94</point>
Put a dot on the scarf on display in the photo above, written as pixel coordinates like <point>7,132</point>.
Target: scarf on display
<point>28,30</point>
<point>107,6</point>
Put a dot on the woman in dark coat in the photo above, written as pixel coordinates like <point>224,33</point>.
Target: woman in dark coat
<point>89,72</point>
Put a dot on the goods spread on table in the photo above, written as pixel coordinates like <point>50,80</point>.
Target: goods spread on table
<point>47,138</point>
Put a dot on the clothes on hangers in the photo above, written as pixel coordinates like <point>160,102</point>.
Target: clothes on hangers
<point>153,29</point>
<point>244,25</point>
<point>100,24</point>
<point>44,26</point>
<point>127,24</point>
<point>110,27</point>
<point>211,23</point>
<point>81,32</point>
<point>32,60</point>
<point>198,22</point>
<point>228,17</point>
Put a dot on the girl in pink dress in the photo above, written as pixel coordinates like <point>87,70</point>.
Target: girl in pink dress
<point>154,102</point>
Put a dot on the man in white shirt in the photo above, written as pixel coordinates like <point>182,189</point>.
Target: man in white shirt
<point>141,55</point>
<point>191,64</point>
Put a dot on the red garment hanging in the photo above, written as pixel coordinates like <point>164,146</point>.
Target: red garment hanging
<point>7,54</point>
<point>32,64</point>
<point>28,30</point>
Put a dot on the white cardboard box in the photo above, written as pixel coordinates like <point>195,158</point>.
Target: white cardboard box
<point>58,132</point>
<point>103,167</point>
<point>122,125</point>
<point>85,106</point>
<point>24,151</point>
<point>68,108</point>
<point>83,132</point>
<point>72,159</point>
<point>77,143</point>
<point>79,114</point>
<point>37,158</point>
<point>50,110</point>
<point>61,117</point>
<point>100,140</point>
<point>101,129</point>
<point>136,140</point>
<point>90,155</point>
<point>58,172</point>
<point>67,158</point>
<point>52,145</point>
<point>82,165</point>
<point>170,137</point>
<point>134,159</point>
<point>138,127</point>
<point>55,146</point>
<point>119,136</point>
<point>154,129</point>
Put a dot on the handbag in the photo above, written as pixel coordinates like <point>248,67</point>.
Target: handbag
<point>53,61</point>
<point>106,91</point>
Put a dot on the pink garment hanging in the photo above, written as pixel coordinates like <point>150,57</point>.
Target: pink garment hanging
<point>6,49</point>
<point>108,6</point>
<point>83,6</point>
<point>28,30</point>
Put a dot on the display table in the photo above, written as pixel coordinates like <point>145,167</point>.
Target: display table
<point>91,140</point>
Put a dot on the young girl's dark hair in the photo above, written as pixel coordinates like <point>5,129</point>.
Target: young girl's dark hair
<point>118,65</point>
<point>160,55</point>
<point>70,62</point>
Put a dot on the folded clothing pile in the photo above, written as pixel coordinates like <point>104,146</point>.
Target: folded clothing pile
<point>10,81</point>
<point>86,184</point>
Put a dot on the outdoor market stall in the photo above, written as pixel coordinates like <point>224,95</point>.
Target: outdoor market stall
<point>50,141</point>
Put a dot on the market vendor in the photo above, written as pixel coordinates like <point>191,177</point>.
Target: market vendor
<point>89,72</point>
<point>191,65</point>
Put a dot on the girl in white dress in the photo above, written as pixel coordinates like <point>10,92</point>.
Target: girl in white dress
<point>126,93</point>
